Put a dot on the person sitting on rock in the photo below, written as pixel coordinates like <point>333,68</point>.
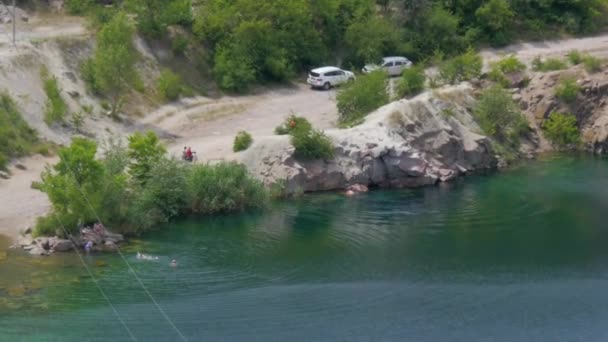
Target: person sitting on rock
<point>99,229</point>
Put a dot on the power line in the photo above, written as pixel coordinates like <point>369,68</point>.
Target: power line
<point>96,282</point>
<point>160,309</point>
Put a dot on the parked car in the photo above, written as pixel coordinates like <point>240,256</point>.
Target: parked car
<point>327,77</point>
<point>393,66</point>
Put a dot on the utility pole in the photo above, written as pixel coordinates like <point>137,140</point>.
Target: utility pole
<point>14,23</point>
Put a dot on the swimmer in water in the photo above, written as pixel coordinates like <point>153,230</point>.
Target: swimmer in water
<point>88,246</point>
<point>173,263</point>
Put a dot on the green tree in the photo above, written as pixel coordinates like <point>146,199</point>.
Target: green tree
<point>75,185</point>
<point>153,16</point>
<point>495,17</point>
<point>369,40</point>
<point>113,65</point>
<point>145,150</point>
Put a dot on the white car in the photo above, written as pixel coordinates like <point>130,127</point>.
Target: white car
<point>393,66</point>
<point>327,77</point>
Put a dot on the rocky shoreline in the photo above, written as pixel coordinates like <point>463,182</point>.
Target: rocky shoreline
<point>103,241</point>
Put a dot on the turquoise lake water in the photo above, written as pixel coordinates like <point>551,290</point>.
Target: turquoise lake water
<point>520,255</point>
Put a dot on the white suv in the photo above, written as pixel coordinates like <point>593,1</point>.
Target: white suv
<point>328,77</point>
<point>393,66</point>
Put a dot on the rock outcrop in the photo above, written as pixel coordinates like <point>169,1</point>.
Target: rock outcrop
<point>538,101</point>
<point>429,139</point>
<point>103,241</point>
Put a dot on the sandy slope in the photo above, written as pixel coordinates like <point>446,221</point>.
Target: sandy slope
<point>19,203</point>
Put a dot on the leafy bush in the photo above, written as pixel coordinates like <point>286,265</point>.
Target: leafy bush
<point>293,124</point>
<point>153,16</point>
<point>313,144</point>
<point>550,64</point>
<point>575,57</point>
<point>233,71</point>
<point>495,17</point>
<point>56,107</point>
<point>508,65</point>
<point>78,7</point>
<point>567,89</point>
<point>361,97</point>
<point>164,196</point>
<point>242,141</point>
<point>461,68</point>
<point>170,85</point>
<point>592,64</point>
<point>17,138</point>
<point>562,130</point>
<point>179,44</point>
<point>412,81</point>
<point>223,187</point>
<point>499,116</point>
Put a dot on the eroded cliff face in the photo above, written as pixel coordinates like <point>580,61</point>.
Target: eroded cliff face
<point>538,102</point>
<point>429,139</point>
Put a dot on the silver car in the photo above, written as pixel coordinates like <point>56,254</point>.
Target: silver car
<point>393,66</point>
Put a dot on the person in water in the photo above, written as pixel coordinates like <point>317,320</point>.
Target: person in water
<point>88,246</point>
<point>173,263</point>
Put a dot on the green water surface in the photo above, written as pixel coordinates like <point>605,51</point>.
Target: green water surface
<point>517,256</point>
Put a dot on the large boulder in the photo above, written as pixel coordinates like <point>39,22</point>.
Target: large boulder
<point>61,245</point>
<point>408,143</point>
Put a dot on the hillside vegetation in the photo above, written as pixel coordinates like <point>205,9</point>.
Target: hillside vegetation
<point>253,41</point>
<point>16,137</point>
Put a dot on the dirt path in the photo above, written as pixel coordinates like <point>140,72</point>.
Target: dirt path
<point>20,205</point>
<point>597,46</point>
<point>209,126</point>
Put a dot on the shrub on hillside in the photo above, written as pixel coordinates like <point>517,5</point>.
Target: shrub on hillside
<point>549,64</point>
<point>292,124</point>
<point>78,7</point>
<point>461,68</point>
<point>170,85</point>
<point>508,65</point>
<point>242,141</point>
<point>591,63</point>
<point>411,82</point>
<point>223,187</point>
<point>17,138</point>
<point>313,144</point>
<point>179,44</point>
<point>575,57</point>
<point>499,116</point>
<point>361,97</point>
<point>567,90</point>
<point>562,130</point>
<point>56,107</point>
